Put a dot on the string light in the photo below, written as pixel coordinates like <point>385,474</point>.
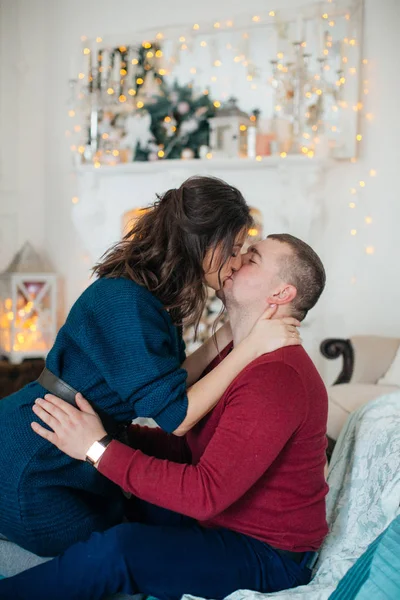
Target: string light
<point>209,155</point>
<point>369,116</point>
<point>217,25</point>
<point>271,13</point>
<point>99,39</point>
<point>132,92</point>
<point>359,137</point>
<point>159,36</point>
<point>196,26</point>
<point>97,165</point>
<point>259,158</point>
<point>159,53</point>
<point>352,205</point>
<point>193,70</point>
<point>77,128</point>
<point>203,44</point>
<point>217,63</point>
<point>372,173</point>
<point>283,155</point>
<point>115,152</point>
<point>105,136</point>
<point>160,153</point>
<point>353,191</point>
<point>139,81</point>
<point>110,91</point>
<point>81,76</point>
<point>182,38</point>
<point>362,184</point>
<point>325,16</point>
<point>256,19</point>
<point>353,232</point>
<point>229,23</point>
<point>365,61</point>
<point>75,200</point>
<point>140,104</point>
<point>122,98</point>
<point>217,103</point>
<point>86,51</point>
<point>368,220</point>
<point>370,250</point>
<point>71,113</point>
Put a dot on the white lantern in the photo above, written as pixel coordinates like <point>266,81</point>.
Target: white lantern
<point>229,132</point>
<point>28,301</point>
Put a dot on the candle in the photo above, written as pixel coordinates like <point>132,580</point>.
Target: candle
<point>299,29</point>
<point>321,39</point>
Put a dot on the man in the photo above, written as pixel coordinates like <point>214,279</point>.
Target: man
<point>246,485</point>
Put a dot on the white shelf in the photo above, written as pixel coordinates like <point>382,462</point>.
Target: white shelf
<point>203,165</point>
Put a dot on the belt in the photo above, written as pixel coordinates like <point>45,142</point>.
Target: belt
<point>57,386</point>
<point>63,390</point>
<point>298,556</point>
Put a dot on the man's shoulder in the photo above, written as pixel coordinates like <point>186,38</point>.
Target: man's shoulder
<point>290,366</point>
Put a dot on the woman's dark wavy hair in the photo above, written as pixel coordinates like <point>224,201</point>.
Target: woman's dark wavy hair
<point>165,249</point>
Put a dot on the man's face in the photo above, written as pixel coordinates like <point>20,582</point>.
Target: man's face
<point>256,282</point>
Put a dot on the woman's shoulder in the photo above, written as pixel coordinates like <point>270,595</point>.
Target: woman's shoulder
<point>118,291</point>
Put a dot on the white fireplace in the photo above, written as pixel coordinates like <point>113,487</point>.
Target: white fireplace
<point>289,192</point>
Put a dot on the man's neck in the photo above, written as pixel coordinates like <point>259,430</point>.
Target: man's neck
<point>242,319</point>
<point>242,322</point>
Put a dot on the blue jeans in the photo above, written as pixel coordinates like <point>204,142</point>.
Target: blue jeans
<point>163,554</point>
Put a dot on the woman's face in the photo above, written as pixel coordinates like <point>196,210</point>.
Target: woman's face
<point>214,275</point>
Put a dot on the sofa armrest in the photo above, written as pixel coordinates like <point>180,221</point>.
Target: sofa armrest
<point>373,356</point>
<point>334,348</point>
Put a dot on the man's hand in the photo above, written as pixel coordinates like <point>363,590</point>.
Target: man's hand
<point>74,431</point>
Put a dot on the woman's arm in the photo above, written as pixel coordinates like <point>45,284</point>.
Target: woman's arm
<point>197,362</point>
<point>266,336</point>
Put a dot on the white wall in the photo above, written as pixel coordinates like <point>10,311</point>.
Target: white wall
<point>37,40</point>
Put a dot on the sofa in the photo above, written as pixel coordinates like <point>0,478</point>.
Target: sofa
<point>365,360</point>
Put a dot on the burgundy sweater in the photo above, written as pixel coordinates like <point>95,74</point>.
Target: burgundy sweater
<point>255,464</point>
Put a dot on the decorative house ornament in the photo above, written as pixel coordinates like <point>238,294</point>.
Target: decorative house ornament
<point>28,301</point>
<point>229,132</point>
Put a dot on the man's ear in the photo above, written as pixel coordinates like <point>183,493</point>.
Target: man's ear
<point>283,295</point>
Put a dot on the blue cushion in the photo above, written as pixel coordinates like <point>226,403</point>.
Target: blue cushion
<point>377,572</point>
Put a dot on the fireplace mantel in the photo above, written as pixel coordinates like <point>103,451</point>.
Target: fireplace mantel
<point>204,165</point>
<point>288,191</point>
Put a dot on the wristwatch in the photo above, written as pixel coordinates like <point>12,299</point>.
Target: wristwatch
<point>97,450</point>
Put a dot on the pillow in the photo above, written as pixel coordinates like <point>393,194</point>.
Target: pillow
<point>392,377</point>
<point>376,574</point>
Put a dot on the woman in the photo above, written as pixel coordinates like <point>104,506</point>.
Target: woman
<point>121,348</point>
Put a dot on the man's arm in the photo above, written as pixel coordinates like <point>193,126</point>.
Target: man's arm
<point>156,442</point>
<point>265,407</point>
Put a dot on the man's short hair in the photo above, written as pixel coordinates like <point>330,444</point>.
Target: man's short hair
<point>304,270</point>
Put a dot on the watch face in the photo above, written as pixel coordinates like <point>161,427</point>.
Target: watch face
<point>95,452</point>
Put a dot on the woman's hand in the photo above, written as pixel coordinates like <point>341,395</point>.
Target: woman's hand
<point>270,334</point>
<point>74,431</point>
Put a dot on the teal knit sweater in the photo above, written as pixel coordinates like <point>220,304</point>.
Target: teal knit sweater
<point>119,348</point>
